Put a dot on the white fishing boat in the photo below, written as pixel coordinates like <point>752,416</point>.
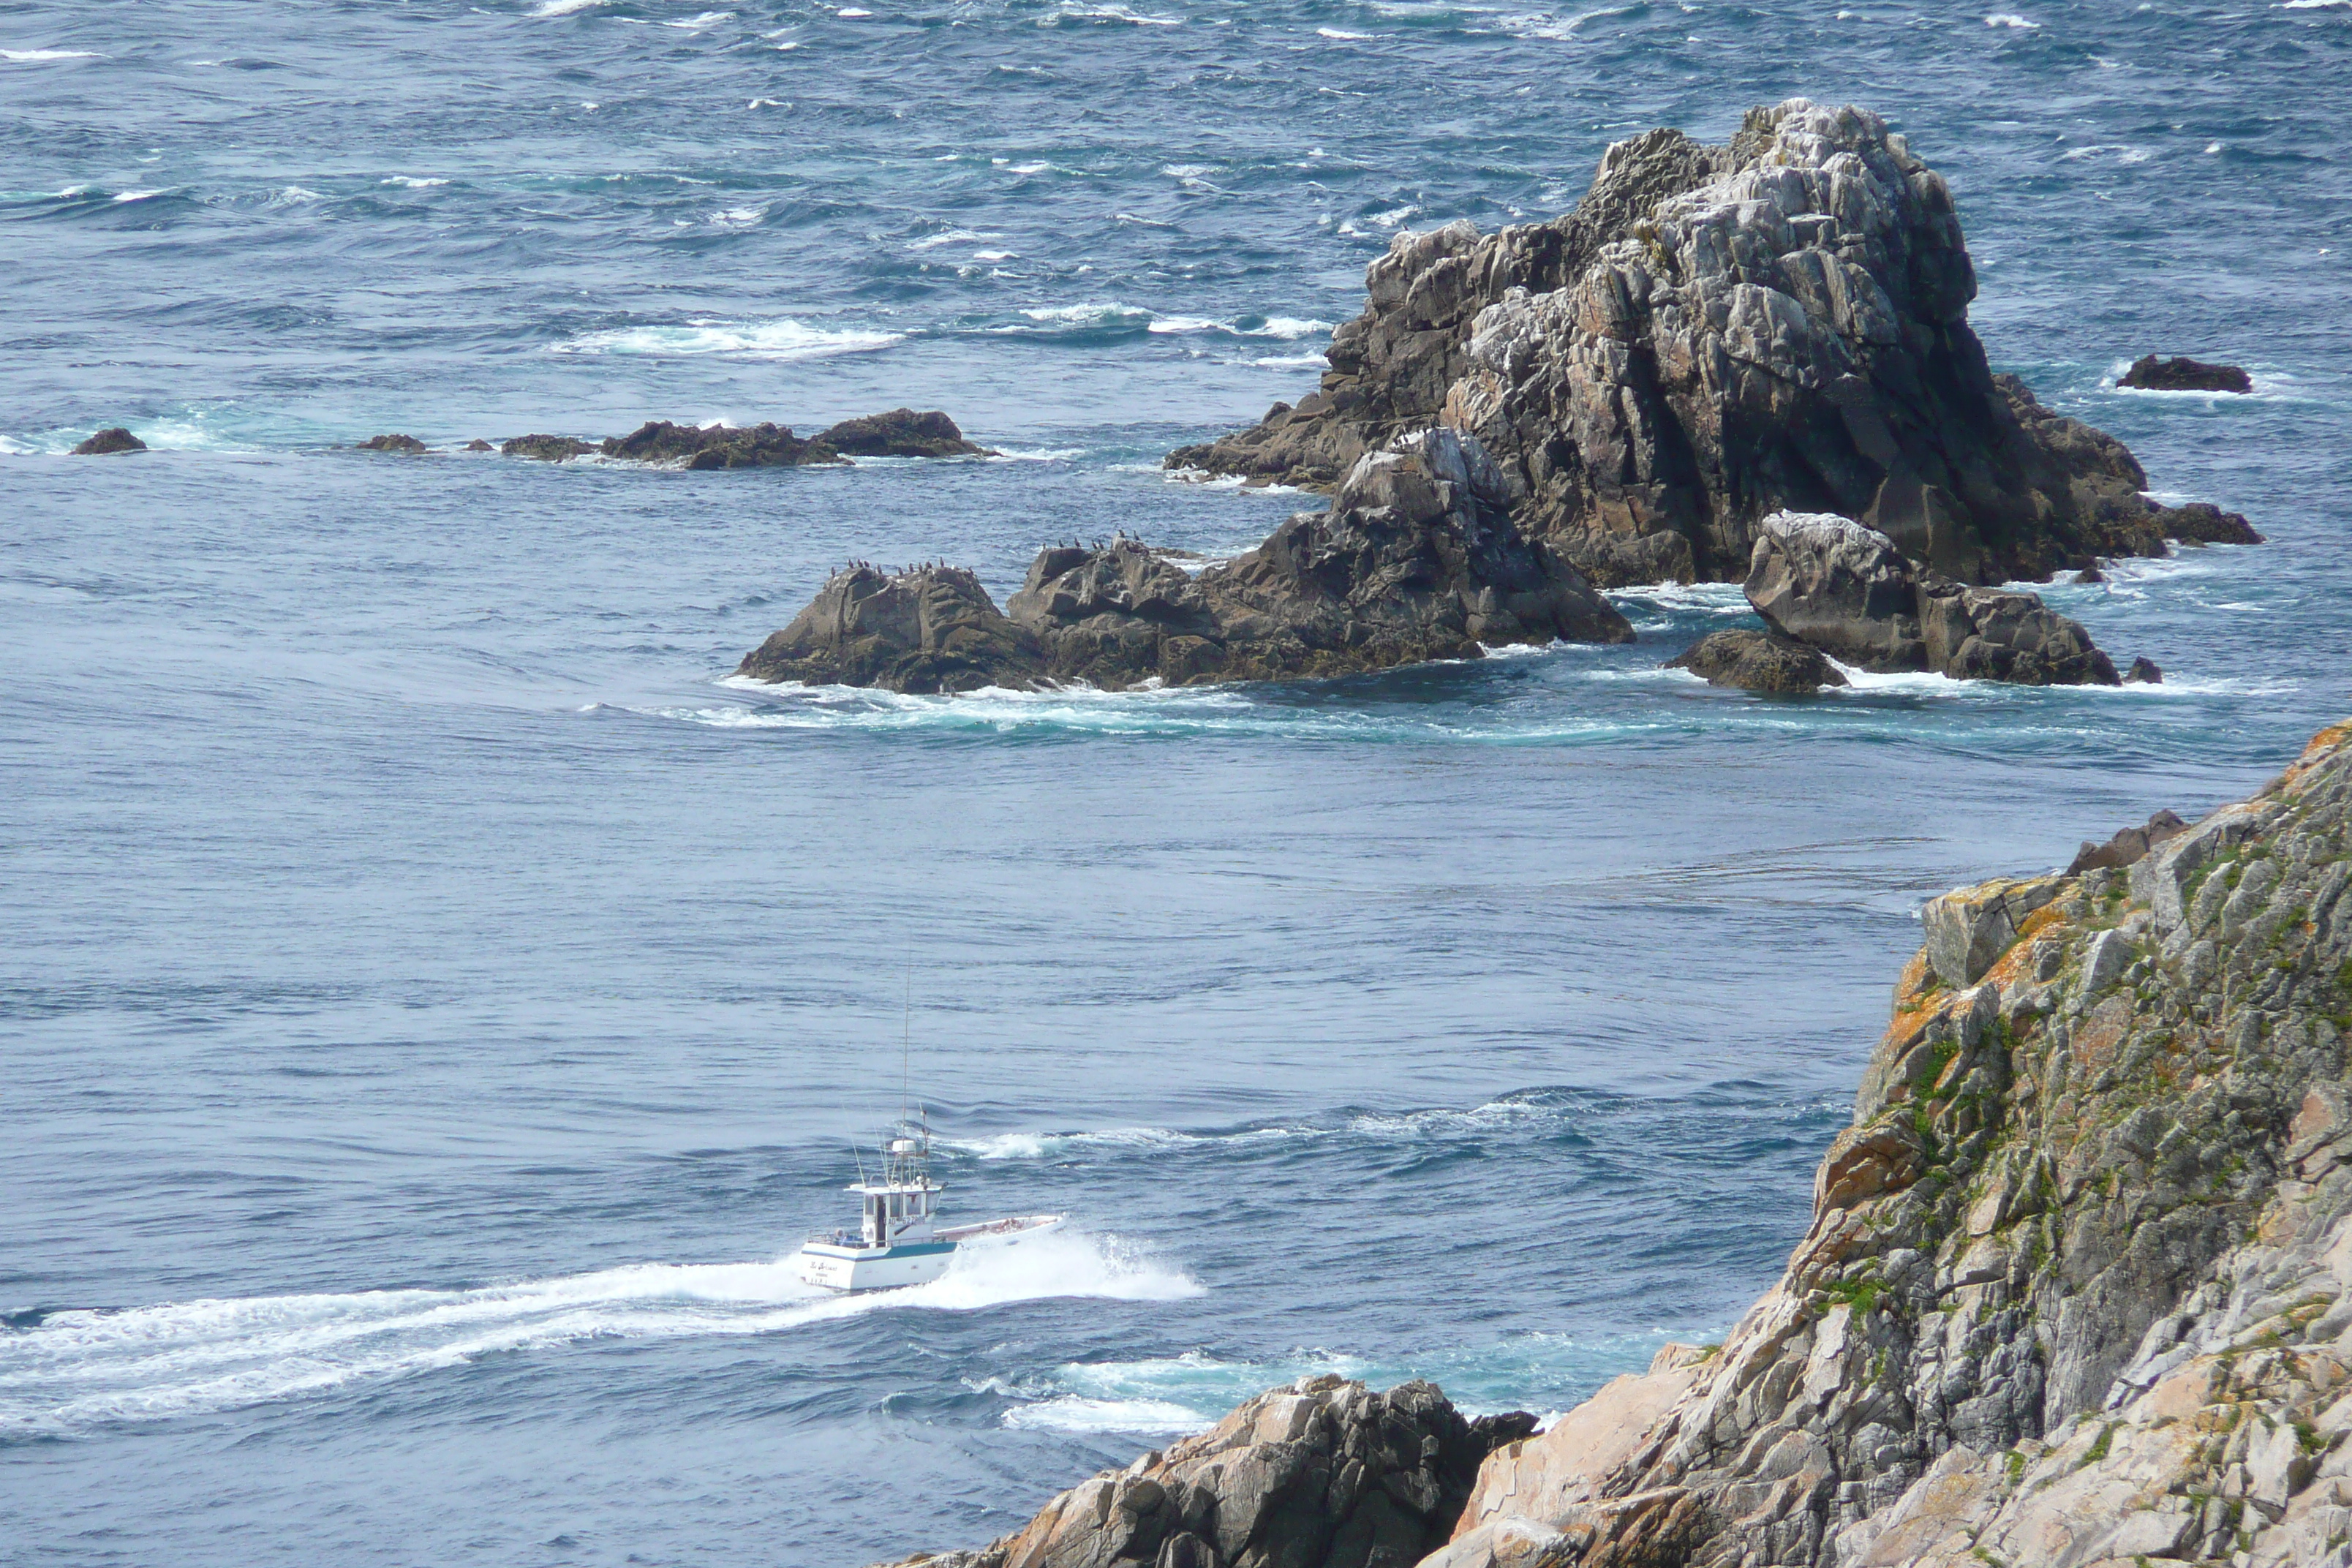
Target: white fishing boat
<point>899,1240</point>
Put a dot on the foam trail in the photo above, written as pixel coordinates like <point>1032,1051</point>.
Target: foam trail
<point>78,1369</point>
<point>782,339</point>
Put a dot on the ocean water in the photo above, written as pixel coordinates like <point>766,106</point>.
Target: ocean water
<point>433,997</point>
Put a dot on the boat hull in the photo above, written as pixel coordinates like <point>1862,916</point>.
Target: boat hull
<point>847,1269</point>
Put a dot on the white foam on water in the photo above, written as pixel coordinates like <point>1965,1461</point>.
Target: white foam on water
<point>2011,19</point>
<point>141,195</point>
<point>567,7</point>
<point>80,1370</point>
<point>1076,1412</point>
<point>1192,1392</point>
<point>31,57</point>
<point>851,13</point>
<point>1291,362</point>
<point>782,339</point>
<point>1107,14</point>
<point>1345,36</point>
<point>708,19</point>
<point>412,182</point>
<point>2316,5</point>
<point>1108,313</point>
<point>954,236</point>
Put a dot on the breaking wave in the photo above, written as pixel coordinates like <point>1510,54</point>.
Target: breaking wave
<point>1175,1395</point>
<point>782,339</point>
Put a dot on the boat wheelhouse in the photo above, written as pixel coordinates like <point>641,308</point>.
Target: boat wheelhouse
<point>897,1241</point>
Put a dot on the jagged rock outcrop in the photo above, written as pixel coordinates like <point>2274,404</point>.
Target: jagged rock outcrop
<point>1417,559</point>
<point>1716,334</point>
<point>761,445</point>
<point>106,443</point>
<point>1759,661</point>
<point>902,432</point>
<point>407,445</point>
<point>2151,373</point>
<point>1847,590</point>
<point>2077,1291</point>
<point>1322,1474</point>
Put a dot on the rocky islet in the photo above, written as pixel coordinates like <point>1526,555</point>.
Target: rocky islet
<point>1714,335</point>
<point>1717,340</point>
<point>2151,373</point>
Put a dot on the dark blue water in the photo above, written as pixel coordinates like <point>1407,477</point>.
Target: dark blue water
<point>433,999</point>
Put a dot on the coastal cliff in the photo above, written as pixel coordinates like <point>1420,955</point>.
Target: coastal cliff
<point>2077,1288</point>
<point>1717,333</point>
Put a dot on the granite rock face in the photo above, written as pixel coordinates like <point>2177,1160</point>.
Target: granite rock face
<point>1759,661</point>
<point>2151,373</point>
<point>106,443</point>
<point>1846,589</point>
<point>1321,1474</point>
<point>1417,559</point>
<point>1716,334</point>
<point>2078,1289</point>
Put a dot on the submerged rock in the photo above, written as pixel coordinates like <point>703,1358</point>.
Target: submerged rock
<point>1846,589</point>
<point>2144,671</point>
<point>901,433</point>
<point>547,449</point>
<point>1759,661</point>
<point>1417,559</point>
<point>1320,1474</point>
<point>478,444</point>
<point>2184,375</point>
<point>761,445</point>
<point>108,442</point>
<point>402,444</point>
<point>1715,334</point>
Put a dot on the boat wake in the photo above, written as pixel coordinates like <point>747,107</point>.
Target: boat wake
<point>74,1371</point>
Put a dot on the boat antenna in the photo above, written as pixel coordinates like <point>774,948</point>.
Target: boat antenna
<point>906,1045</point>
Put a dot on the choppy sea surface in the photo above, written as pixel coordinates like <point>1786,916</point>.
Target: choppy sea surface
<point>433,998</point>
